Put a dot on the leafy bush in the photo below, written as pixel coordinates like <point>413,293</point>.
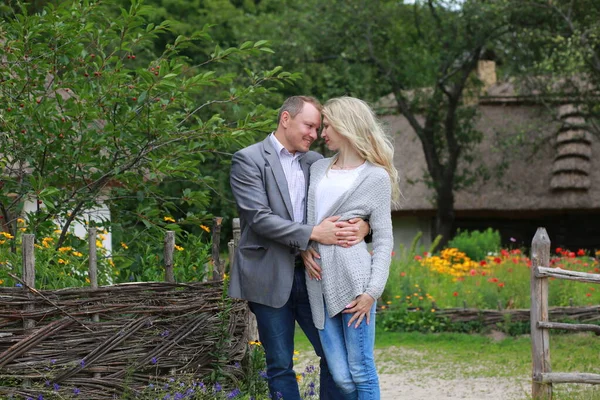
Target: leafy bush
<point>475,244</point>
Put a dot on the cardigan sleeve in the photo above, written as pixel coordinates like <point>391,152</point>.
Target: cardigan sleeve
<point>383,240</point>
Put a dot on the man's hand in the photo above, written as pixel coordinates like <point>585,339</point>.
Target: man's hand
<point>361,307</point>
<point>313,269</point>
<point>326,231</point>
<point>353,231</point>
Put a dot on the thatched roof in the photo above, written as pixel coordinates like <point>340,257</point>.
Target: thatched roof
<point>548,151</point>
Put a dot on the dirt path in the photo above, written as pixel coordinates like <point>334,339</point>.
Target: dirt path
<point>404,375</point>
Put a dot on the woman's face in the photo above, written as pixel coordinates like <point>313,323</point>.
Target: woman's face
<point>333,140</point>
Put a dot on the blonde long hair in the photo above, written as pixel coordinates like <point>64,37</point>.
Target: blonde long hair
<point>353,119</point>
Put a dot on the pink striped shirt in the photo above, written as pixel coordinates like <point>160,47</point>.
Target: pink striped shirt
<point>294,176</point>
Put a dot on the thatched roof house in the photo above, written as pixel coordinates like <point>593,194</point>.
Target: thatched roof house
<point>551,177</point>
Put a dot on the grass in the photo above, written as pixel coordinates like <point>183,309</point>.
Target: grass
<point>453,356</point>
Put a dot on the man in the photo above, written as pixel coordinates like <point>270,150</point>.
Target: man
<point>269,182</point>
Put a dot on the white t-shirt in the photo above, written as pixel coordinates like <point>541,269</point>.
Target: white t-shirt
<point>333,185</point>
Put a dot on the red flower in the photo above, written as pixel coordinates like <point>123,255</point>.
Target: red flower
<point>501,284</point>
<point>497,260</point>
<point>455,294</point>
<point>418,258</point>
<point>483,273</point>
<point>393,253</point>
<point>529,263</point>
<point>571,254</point>
<point>581,252</point>
<point>482,263</point>
<point>493,280</point>
<point>473,272</point>
<point>504,252</point>
<point>559,250</point>
<point>588,294</point>
<point>515,260</point>
<point>402,273</point>
<point>515,251</point>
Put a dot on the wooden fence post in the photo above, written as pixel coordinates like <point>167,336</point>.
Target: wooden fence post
<point>29,280</point>
<point>540,338</point>
<point>217,272</point>
<point>93,265</point>
<point>168,256</point>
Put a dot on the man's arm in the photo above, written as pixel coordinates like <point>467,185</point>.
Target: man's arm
<point>253,205</point>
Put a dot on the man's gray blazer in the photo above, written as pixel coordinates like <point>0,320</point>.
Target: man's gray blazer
<point>263,267</point>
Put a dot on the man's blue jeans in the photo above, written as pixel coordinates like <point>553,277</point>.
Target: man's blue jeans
<point>349,353</point>
<point>276,330</point>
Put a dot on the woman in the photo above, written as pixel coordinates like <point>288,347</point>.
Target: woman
<point>359,181</point>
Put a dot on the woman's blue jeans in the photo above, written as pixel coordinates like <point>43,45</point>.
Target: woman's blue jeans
<point>349,354</point>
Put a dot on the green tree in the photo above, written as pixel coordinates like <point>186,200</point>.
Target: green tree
<point>90,113</point>
<point>424,54</point>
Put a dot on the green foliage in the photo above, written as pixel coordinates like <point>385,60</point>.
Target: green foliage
<point>477,244</point>
<point>91,115</point>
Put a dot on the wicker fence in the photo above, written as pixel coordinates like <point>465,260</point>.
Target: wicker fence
<point>542,376</point>
<point>105,341</point>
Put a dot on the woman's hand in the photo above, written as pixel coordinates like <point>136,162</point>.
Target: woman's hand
<point>313,269</point>
<point>361,307</point>
<point>353,232</point>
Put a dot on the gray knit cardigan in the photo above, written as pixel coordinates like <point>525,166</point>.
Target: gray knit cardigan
<point>349,272</point>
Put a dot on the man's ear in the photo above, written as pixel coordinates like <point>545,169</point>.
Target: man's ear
<point>285,119</point>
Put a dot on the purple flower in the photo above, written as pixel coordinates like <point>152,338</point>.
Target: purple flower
<point>167,397</point>
<point>263,374</point>
<point>512,239</point>
<point>171,379</point>
<point>279,395</point>
<point>165,333</point>
<point>236,365</point>
<point>53,361</point>
<point>20,285</point>
<point>56,386</point>
<point>150,385</point>
<point>234,393</point>
<point>82,363</point>
<point>217,387</point>
<point>154,360</point>
<point>40,397</point>
<point>47,383</point>
<point>178,396</point>
<point>76,391</point>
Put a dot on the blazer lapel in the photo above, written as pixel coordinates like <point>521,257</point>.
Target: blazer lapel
<point>306,169</point>
<point>273,160</point>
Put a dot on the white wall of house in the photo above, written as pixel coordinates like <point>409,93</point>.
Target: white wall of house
<point>99,213</point>
<point>407,227</point>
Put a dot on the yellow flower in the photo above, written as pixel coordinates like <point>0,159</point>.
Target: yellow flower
<point>169,219</point>
<point>1,281</point>
<point>87,280</point>
<point>99,244</point>
<point>4,241</point>
<point>57,231</point>
<point>63,249</point>
<point>396,297</point>
<point>383,307</point>
<point>22,229</point>
<point>20,221</point>
<point>77,254</point>
<point>298,377</point>
<point>112,264</point>
<point>388,302</point>
<point>179,248</point>
<point>123,245</point>
<point>61,261</point>
<point>433,310</point>
<point>206,228</point>
<point>296,352</point>
<point>255,343</point>
<point>224,276</point>
<point>7,235</point>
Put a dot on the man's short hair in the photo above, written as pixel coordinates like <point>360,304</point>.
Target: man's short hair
<point>293,105</point>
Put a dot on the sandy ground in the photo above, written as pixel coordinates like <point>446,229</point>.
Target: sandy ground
<point>410,379</point>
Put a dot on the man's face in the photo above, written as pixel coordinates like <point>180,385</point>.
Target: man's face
<point>302,130</point>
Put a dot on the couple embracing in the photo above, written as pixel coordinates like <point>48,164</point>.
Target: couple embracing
<point>302,255</point>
